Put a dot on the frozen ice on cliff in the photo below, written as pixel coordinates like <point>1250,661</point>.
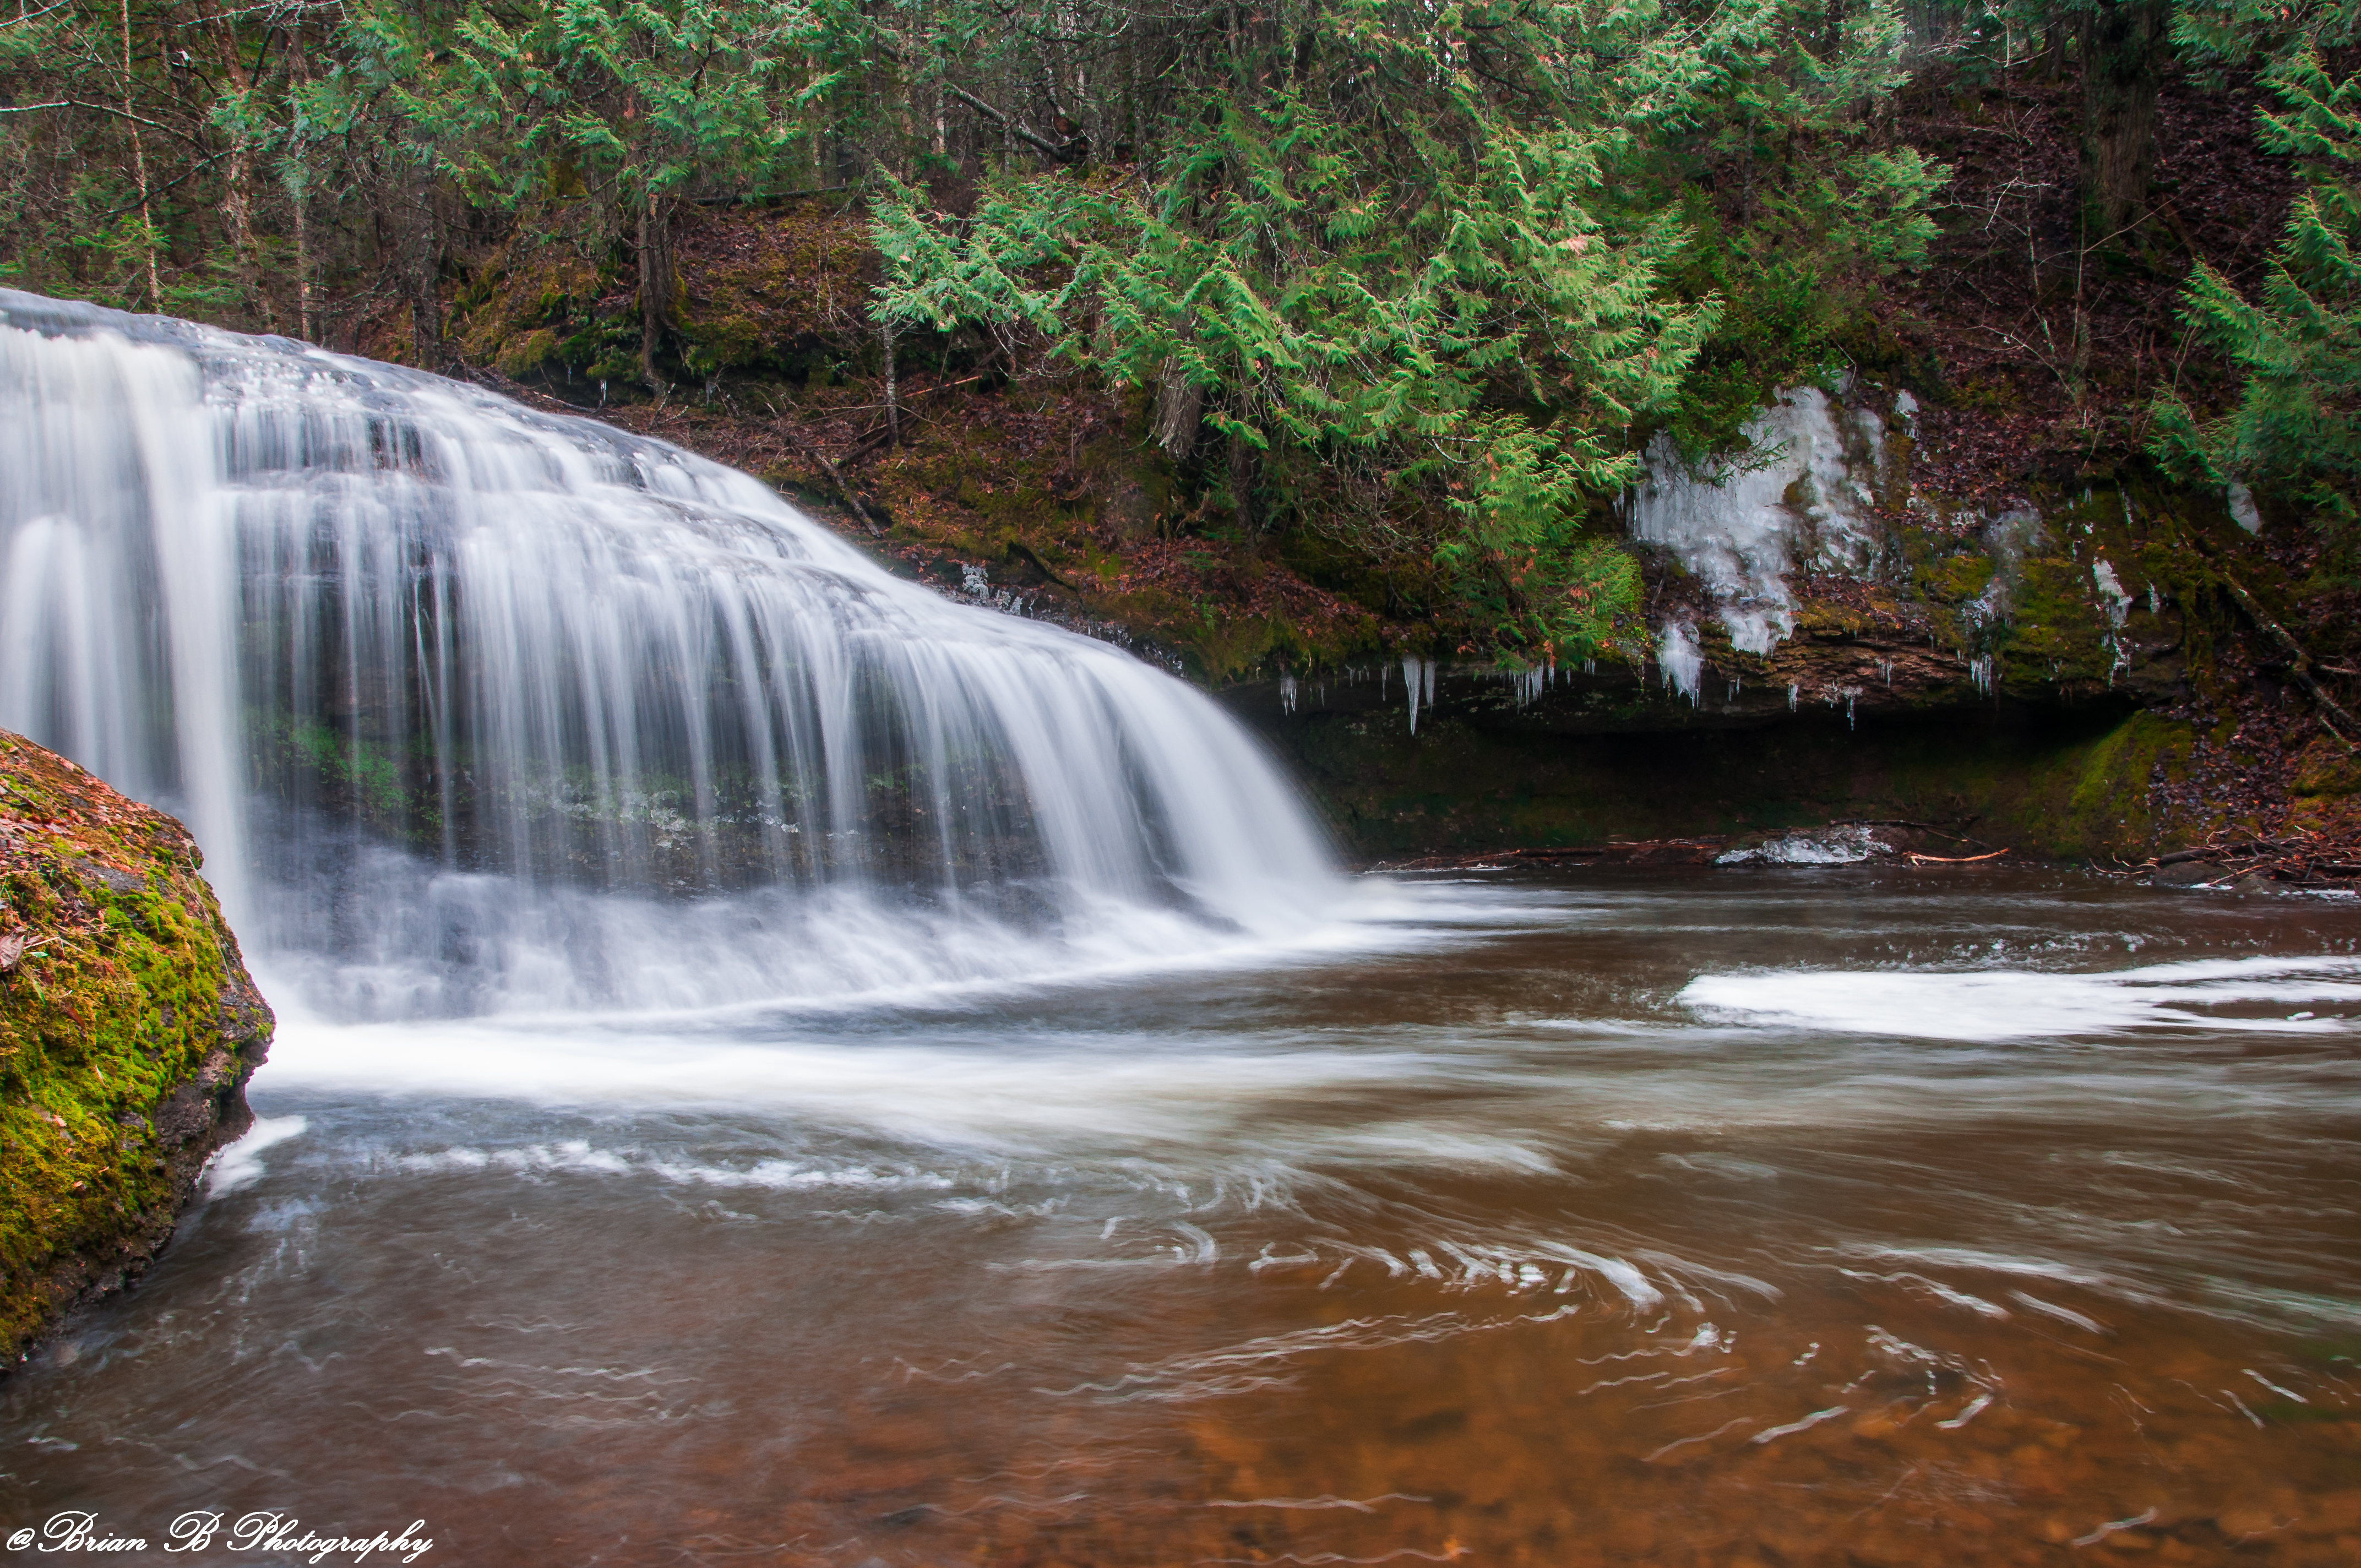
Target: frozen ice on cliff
<point>1802,495</point>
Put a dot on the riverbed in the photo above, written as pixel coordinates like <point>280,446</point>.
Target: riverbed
<point>1729,1216</point>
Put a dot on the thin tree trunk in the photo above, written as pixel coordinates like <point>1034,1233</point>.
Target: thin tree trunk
<point>139,169</point>
<point>423,267</point>
<point>237,185</point>
<point>300,190</point>
<point>1242,479</point>
<point>2124,49</point>
<point>1746,197</point>
<point>655,289</point>
<point>305,325</point>
<point>892,386</point>
<point>2052,62</point>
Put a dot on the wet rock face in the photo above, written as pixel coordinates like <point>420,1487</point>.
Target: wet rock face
<point>129,1029</point>
<point>1811,569</point>
<point>1808,575</point>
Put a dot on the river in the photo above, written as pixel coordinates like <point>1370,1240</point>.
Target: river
<point>1761,1216</point>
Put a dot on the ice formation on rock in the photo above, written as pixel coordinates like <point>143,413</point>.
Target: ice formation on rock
<point>1802,496</point>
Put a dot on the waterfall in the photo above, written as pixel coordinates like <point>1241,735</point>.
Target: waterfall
<point>473,706</point>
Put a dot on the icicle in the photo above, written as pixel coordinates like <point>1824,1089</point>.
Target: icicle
<point>1680,661</point>
<point>1287,694</point>
<point>1409,682</point>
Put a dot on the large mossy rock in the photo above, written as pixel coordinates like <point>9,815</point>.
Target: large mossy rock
<point>128,1027</point>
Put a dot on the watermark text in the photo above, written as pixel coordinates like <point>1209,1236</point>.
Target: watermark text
<point>79,1534</point>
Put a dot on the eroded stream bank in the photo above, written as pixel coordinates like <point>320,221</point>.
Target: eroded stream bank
<point>1745,1216</point>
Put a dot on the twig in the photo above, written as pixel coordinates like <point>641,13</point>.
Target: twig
<point>836,476</point>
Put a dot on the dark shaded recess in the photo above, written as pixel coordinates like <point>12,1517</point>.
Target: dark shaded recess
<point>2013,774</point>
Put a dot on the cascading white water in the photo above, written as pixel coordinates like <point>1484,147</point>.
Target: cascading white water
<point>474,707</point>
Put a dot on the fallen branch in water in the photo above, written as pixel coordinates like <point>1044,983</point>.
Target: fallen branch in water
<point>1955,860</point>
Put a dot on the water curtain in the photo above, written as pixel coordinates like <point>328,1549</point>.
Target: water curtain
<point>456,694</point>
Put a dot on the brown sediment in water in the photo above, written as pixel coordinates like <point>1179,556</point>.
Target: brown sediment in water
<point>1981,1228</point>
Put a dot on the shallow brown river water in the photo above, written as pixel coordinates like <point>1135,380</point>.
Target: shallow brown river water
<point>1771,1217</point>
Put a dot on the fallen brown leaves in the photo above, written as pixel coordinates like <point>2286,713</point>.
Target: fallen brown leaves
<point>2024,393</point>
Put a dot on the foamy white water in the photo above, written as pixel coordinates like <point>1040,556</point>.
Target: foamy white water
<point>475,709</point>
<point>2024,1003</point>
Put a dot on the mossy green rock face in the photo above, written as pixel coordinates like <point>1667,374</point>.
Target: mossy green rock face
<point>128,1027</point>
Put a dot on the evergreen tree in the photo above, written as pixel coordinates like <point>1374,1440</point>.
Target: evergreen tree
<point>1432,247</point>
<point>2295,344</point>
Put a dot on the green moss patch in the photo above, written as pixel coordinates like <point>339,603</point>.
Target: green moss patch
<point>127,1024</point>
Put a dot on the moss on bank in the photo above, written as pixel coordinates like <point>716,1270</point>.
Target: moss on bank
<point>128,1027</point>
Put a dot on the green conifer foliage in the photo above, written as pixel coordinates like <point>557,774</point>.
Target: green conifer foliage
<point>1433,246</point>
<point>2296,343</point>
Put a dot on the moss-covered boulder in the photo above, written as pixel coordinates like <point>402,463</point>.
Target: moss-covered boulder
<point>128,1027</point>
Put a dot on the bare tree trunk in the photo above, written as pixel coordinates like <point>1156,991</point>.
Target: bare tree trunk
<point>892,386</point>
<point>1180,404</point>
<point>300,190</point>
<point>2124,49</point>
<point>422,267</point>
<point>2052,63</point>
<point>306,327</point>
<point>655,289</point>
<point>139,169</point>
<point>237,185</point>
<point>1242,481</point>
<point>425,314</point>
<point>1746,200</point>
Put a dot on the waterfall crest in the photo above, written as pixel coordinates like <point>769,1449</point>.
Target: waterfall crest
<point>474,707</point>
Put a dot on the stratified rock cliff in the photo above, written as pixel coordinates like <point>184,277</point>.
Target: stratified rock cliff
<point>128,1027</point>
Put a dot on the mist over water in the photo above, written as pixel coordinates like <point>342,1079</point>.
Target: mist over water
<point>775,1066</point>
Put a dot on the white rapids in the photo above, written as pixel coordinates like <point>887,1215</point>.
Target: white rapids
<point>477,709</point>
